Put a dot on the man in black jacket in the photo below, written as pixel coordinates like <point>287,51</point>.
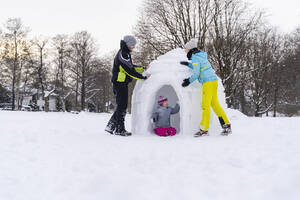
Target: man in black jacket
<point>123,73</point>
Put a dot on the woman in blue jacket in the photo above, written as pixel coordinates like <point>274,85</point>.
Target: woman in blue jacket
<point>204,73</point>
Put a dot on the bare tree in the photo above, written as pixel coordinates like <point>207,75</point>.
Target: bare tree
<point>100,91</point>
<point>167,24</point>
<point>262,50</point>
<point>286,75</point>
<point>232,24</point>
<point>84,51</point>
<point>62,48</point>
<point>14,34</point>
<point>41,69</point>
<point>26,70</point>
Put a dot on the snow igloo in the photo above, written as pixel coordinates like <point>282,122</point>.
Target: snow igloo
<point>167,75</point>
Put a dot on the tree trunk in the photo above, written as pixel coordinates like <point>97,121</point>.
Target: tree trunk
<point>76,89</point>
<point>275,102</point>
<point>83,90</point>
<point>14,73</point>
<point>47,103</point>
<point>13,89</point>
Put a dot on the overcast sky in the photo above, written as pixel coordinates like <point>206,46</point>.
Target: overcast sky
<point>109,20</point>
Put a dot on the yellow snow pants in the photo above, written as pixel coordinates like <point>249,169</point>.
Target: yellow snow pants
<point>210,99</point>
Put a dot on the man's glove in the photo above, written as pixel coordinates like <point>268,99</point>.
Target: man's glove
<point>184,63</point>
<point>186,82</point>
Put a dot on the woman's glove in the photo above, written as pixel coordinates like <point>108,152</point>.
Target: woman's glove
<point>186,82</point>
<point>184,63</point>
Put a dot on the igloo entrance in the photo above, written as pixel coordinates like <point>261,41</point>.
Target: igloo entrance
<point>169,92</point>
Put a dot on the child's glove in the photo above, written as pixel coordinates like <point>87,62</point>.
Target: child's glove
<point>184,63</point>
<point>153,120</point>
<point>186,82</point>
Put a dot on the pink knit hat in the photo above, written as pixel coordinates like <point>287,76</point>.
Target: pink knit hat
<point>161,99</point>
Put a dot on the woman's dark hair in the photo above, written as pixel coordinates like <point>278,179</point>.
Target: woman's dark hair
<point>191,52</point>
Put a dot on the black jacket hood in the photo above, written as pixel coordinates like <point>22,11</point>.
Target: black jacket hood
<point>124,46</point>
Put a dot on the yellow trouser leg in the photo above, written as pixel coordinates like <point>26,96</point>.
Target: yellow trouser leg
<point>210,99</point>
<point>216,105</point>
<point>207,94</point>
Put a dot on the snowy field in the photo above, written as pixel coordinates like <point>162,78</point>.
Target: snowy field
<point>62,156</point>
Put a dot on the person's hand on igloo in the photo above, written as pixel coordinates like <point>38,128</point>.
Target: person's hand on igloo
<point>184,63</point>
<point>186,82</point>
<point>145,69</point>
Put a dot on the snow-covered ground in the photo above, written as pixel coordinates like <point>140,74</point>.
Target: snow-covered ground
<point>62,156</point>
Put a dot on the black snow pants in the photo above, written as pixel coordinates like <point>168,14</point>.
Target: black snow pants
<point>121,94</point>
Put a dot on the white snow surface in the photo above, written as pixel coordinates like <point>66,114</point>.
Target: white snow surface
<point>167,75</point>
<point>63,156</point>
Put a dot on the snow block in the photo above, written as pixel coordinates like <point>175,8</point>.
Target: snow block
<point>166,78</point>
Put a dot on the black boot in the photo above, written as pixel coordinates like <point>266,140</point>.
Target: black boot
<point>120,130</point>
<point>112,125</point>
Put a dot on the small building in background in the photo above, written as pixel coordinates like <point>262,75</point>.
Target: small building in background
<point>34,101</point>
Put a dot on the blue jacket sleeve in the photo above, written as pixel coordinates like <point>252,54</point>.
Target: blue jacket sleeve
<point>196,70</point>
